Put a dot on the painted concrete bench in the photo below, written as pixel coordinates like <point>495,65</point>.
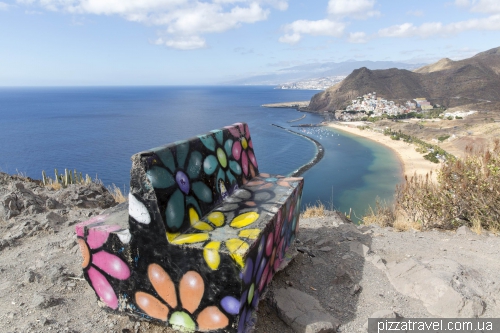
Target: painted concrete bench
<point>204,235</point>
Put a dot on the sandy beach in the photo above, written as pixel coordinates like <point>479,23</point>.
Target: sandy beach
<point>412,161</point>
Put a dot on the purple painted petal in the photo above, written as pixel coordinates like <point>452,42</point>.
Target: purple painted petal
<point>255,300</point>
<point>260,252</point>
<point>243,299</point>
<point>111,264</point>
<point>230,305</point>
<point>99,235</point>
<point>248,271</point>
<point>103,288</point>
<point>261,269</point>
<point>241,324</point>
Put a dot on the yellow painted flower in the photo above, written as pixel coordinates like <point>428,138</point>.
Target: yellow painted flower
<point>236,245</point>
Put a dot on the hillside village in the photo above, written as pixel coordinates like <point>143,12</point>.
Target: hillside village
<point>369,105</point>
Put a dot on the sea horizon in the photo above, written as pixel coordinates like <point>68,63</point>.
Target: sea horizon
<point>96,129</point>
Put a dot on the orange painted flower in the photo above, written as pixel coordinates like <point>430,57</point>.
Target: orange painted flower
<point>182,313</point>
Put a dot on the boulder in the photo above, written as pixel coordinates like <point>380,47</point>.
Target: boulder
<point>444,286</point>
<point>302,312</point>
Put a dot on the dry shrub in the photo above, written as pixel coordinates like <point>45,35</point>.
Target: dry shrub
<point>55,186</point>
<point>402,223</point>
<point>383,215</point>
<point>117,193</point>
<point>467,193</point>
<point>317,210</point>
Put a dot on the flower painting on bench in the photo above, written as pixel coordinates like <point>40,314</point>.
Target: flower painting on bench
<point>207,232</point>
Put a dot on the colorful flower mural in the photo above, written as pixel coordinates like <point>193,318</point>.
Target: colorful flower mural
<point>181,313</point>
<point>227,231</point>
<point>234,237</point>
<point>220,162</point>
<point>242,149</point>
<point>179,181</point>
<point>100,265</point>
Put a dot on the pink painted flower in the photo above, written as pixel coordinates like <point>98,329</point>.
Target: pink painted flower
<point>243,148</point>
<point>99,264</point>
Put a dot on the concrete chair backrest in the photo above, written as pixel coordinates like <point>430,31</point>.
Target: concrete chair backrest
<point>181,182</point>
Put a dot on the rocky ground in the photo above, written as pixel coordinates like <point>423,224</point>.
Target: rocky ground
<point>342,273</point>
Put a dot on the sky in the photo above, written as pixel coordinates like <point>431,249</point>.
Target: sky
<point>199,42</point>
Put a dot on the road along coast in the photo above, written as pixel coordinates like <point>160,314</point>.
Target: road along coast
<point>411,160</point>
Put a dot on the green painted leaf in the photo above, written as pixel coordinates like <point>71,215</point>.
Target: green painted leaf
<point>174,213</point>
<point>167,158</point>
<point>219,136</point>
<point>202,191</point>
<point>235,167</point>
<point>182,152</point>
<point>208,141</point>
<point>210,164</point>
<point>160,177</point>
<point>228,147</point>
<point>194,165</point>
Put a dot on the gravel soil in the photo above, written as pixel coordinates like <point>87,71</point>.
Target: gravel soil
<point>340,264</point>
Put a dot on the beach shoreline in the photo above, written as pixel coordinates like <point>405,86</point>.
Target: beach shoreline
<point>412,162</point>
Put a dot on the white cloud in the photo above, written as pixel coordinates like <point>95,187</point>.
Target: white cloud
<point>334,25</point>
<point>358,37</point>
<point>184,20</point>
<point>242,50</point>
<point>184,43</point>
<point>352,8</point>
<point>207,18</point>
<point>438,29</point>
<point>4,6</point>
<point>462,3</point>
<point>278,4</point>
<point>326,27</point>
<point>480,6</point>
<point>486,6</point>
<point>417,13</point>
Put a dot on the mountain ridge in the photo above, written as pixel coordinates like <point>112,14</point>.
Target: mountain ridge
<point>317,70</point>
<point>446,82</point>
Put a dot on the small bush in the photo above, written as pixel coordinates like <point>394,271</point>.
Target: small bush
<point>383,215</point>
<point>431,157</point>
<point>467,193</point>
<point>443,137</point>
<point>117,194</point>
<point>317,210</point>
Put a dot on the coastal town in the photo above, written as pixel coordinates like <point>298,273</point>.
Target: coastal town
<point>321,83</point>
<point>372,106</point>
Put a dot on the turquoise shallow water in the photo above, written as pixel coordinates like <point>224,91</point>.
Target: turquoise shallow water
<point>96,129</point>
<point>353,172</point>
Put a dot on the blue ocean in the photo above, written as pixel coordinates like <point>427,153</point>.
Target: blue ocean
<point>96,130</point>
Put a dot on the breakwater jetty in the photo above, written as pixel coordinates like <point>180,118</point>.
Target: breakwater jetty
<point>320,152</point>
<point>292,121</point>
<point>301,105</point>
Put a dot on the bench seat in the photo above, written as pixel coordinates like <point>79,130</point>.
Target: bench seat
<point>205,234</point>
